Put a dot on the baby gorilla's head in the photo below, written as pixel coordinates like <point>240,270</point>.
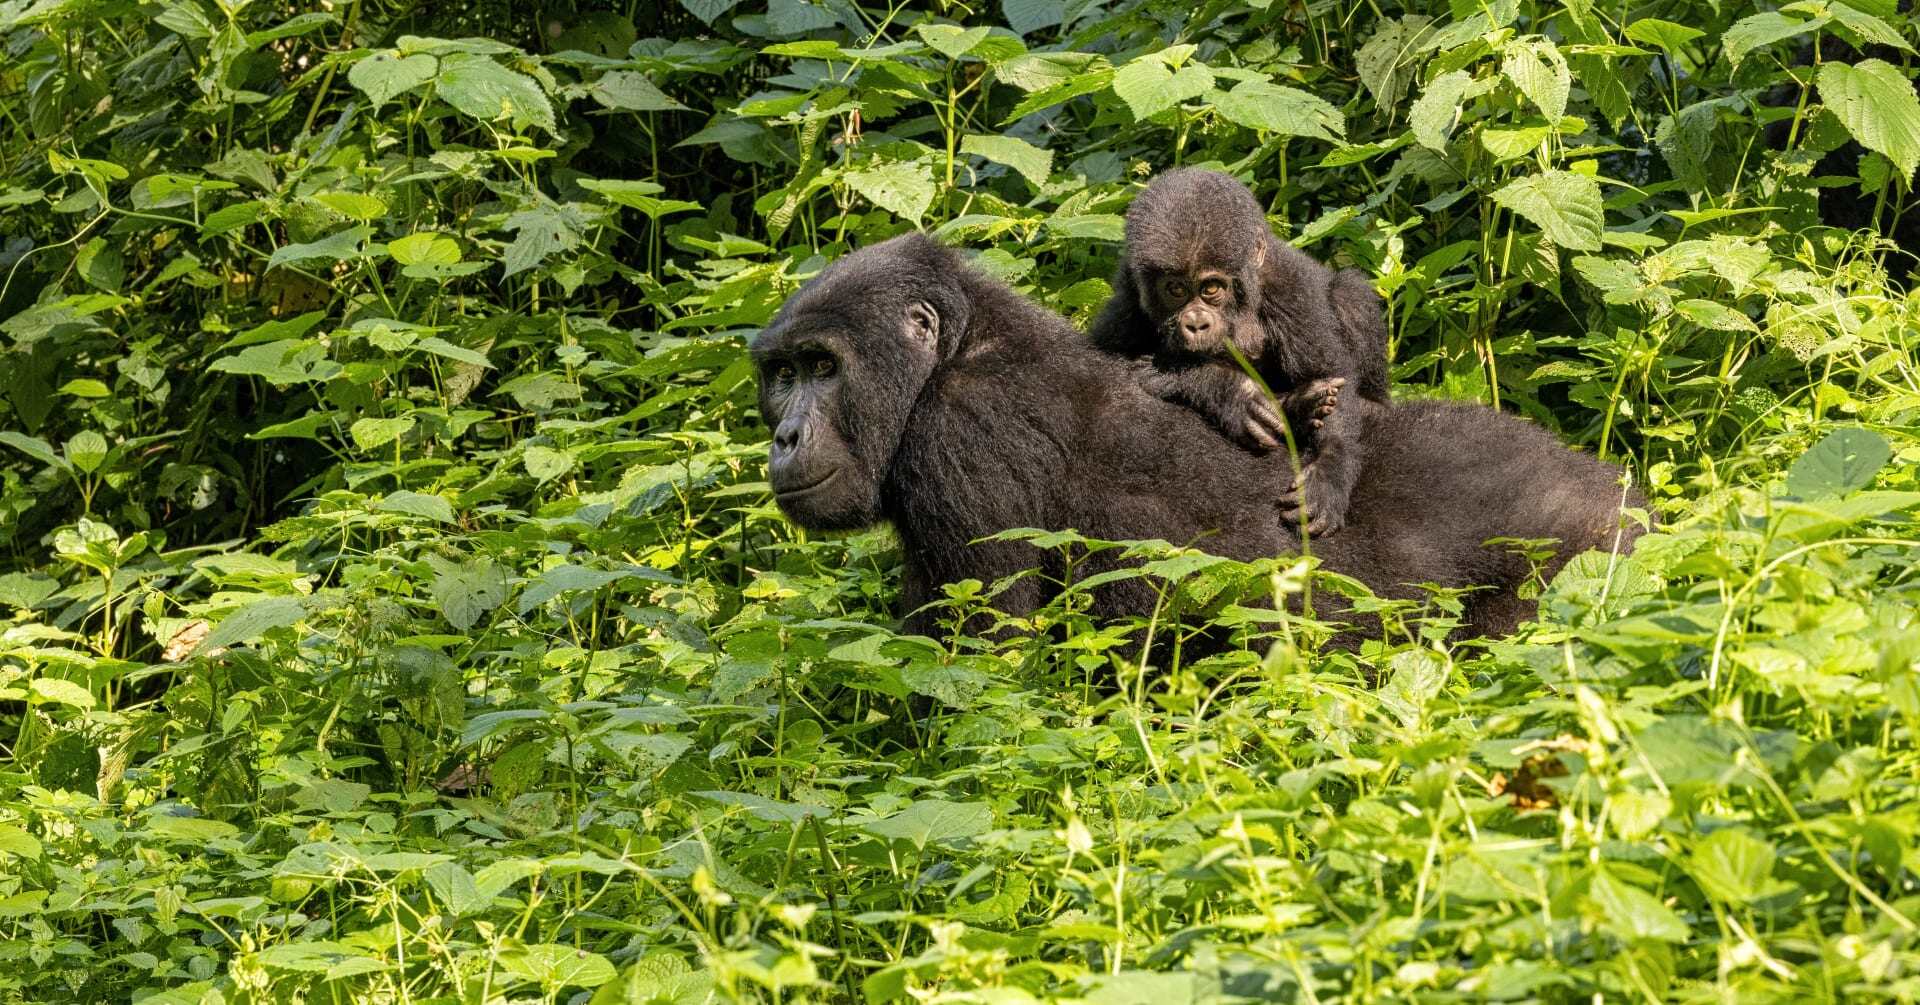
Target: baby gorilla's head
<point>1196,242</point>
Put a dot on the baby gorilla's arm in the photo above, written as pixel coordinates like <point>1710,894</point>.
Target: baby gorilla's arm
<point>1226,397</point>
<point>1325,485</point>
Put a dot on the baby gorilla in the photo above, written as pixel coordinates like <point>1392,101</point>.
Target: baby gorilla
<point>1202,273</point>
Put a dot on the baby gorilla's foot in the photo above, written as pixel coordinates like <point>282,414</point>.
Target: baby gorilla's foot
<point>1308,405</point>
<point>1315,499</point>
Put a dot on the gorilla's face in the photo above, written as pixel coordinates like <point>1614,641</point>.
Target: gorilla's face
<point>836,386</point>
<point>1198,310</point>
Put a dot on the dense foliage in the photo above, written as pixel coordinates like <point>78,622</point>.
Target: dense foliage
<point>394,608</point>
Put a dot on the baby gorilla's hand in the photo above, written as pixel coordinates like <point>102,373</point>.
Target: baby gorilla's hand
<point>1317,500</point>
<point>1250,418</point>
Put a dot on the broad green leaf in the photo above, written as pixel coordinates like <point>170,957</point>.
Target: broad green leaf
<point>638,195</point>
<point>1033,163</point>
<point>332,248</point>
<point>193,829</point>
<point>1385,62</point>
<point>555,966</point>
<point>1273,108</point>
<point>371,433</point>
<point>949,40</point>
<point>661,977</point>
<point>903,188</point>
<point>353,205</point>
<point>464,592</point>
<point>540,232</point>
<point>1867,25</point>
<point>1845,460</point>
<point>1632,913</point>
<point>292,361</point>
<point>482,88</point>
<point>420,504</point>
<point>1876,102</point>
<point>60,692</point>
<point>33,447</point>
<point>709,10</point>
<point>631,91</point>
<point>1437,109</point>
<point>1540,72</point>
<point>384,76</point>
<point>424,248</point>
<point>1662,34</point>
<point>934,821</point>
<point>252,621</point>
<point>1150,85</point>
<point>1752,32</point>
<point>1512,144</point>
<point>1732,865</point>
<point>86,451</point>
<point>454,887</point>
<point>546,463</point>
<point>1565,206</point>
<point>1028,16</point>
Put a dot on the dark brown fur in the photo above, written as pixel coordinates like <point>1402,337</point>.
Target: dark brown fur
<point>1309,331</point>
<point>1004,419</point>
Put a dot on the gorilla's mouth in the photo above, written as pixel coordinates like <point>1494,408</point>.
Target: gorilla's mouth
<point>789,493</point>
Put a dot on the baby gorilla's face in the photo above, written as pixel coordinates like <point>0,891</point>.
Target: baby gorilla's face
<point>1198,311</point>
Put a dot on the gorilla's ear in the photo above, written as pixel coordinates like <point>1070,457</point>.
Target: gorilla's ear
<point>1260,253</point>
<point>922,325</point>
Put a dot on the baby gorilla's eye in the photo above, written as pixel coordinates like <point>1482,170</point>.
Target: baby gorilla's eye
<point>825,367</point>
<point>1173,288</point>
<point>1213,289</point>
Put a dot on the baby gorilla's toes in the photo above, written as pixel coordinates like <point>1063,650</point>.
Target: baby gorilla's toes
<point>1309,405</point>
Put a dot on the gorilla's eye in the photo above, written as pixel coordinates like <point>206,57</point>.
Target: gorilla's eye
<point>1212,289</point>
<point>1173,288</point>
<point>825,367</point>
<point>784,373</point>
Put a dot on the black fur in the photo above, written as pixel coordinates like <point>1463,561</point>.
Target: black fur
<point>1004,418</point>
<point>1294,319</point>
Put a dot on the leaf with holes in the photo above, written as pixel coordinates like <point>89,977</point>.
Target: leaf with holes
<point>482,88</point>
<point>903,188</point>
<point>1288,111</point>
<point>1846,460</point>
<point>385,76</point>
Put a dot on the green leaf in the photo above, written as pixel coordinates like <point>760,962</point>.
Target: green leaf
<point>1732,865</point>
<point>1438,108</point>
<point>101,265</point>
<point>292,361</point>
<point>465,592</point>
<point>482,88</point>
<point>1867,26</point>
<point>631,91</point>
<point>60,692</point>
<point>932,821</point>
<point>419,504</point>
<point>540,232</point>
<point>384,76</point>
<point>1662,34</point>
<point>454,887</point>
<point>1288,111</point>
<point>1877,104</point>
<point>1033,163</point>
<point>253,620</point>
<point>198,830</point>
<point>555,966</point>
<point>1385,61</point>
<point>1846,460</point>
<point>424,248</point>
<point>1766,28</point>
<point>33,447</point>
<point>546,463</point>
<point>1150,85</point>
<point>353,205</point>
<point>1540,72</point>
<point>1633,913</point>
<point>1565,206</point>
<point>638,195</point>
<point>332,248</point>
<point>86,451</point>
<point>371,433</point>
<point>949,40</point>
<point>903,188</point>
<point>709,10</point>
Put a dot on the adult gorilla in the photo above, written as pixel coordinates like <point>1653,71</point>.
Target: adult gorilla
<point>904,386</point>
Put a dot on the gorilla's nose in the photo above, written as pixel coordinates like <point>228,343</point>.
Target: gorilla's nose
<point>786,438</point>
<point>1196,324</point>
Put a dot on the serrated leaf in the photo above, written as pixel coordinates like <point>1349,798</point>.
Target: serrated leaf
<point>951,40</point>
<point>1385,61</point>
<point>480,87</point>
<point>384,76</point>
<point>1752,32</point>
<point>60,692</point>
<point>640,195</point>
<point>1438,108</point>
<point>1565,206</point>
<point>419,504</point>
<point>1273,108</point>
<point>252,621</point>
<point>546,463</point>
<point>1633,913</point>
<point>631,91</point>
<point>371,433</point>
<point>709,10</point>
<point>1149,85</point>
<point>332,248</point>
<point>1877,104</point>
<point>1540,72</point>
<point>1662,34</point>
<point>1033,163</point>
<point>353,205</point>
<point>464,592</point>
<point>555,966</point>
<point>1845,460</point>
<point>86,451</point>
<point>903,188</point>
<point>539,233</point>
<point>1028,16</point>
<point>454,887</point>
